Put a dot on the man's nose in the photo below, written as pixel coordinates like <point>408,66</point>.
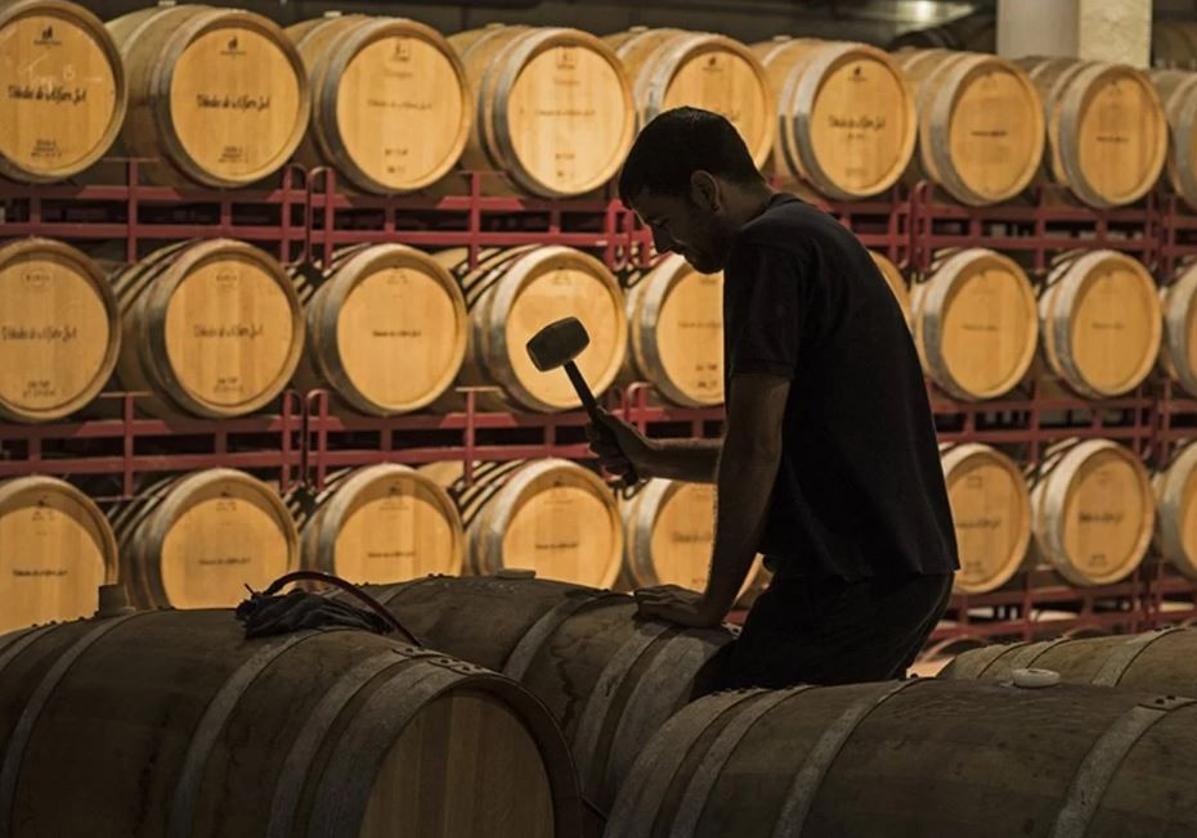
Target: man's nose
<point>662,241</point>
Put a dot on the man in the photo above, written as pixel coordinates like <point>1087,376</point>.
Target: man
<point>829,464</point>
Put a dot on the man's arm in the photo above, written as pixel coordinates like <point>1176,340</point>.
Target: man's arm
<point>689,460</point>
<point>620,446</point>
<point>746,473</point>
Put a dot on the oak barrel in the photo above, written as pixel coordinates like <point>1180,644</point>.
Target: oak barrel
<point>386,329</point>
<point>513,294</point>
<point>975,324</point>
<point>669,533</point>
<point>976,31</point>
<point>196,540</point>
<point>552,516</point>
<point>1161,661</point>
<point>380,523</point>
<point>211,328</point>
<point>217,96</point>
<point>1175,489</point>
<point>1178,92</point>
<point>846,116</point>
<point>1100,322</point>
<point>1178,349</point>
<point>675,331</point>
<point>59,330</point>
<point>56,549</point>
<point>1106,128</point>
<point>991,513</point>
<point>64,93</point>
<point>1092,511</point>
<point>670,68</point>
<point>1174,44</point>
<point>609,678</point>
<point>893,277</point>
<point>391,109</point>
<point>172,723</point>
<point>916,758</point>
<point>980,124</point>
<point>553,107</point>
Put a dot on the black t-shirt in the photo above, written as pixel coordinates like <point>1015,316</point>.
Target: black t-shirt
<point>860,491</point>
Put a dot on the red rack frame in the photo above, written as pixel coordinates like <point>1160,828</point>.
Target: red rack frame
<point>1044,222</point>
<point>308,215</point>
<point>222,438</point>
<point>471,219</point>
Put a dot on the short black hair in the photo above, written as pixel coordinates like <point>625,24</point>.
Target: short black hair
<point>679,142</point>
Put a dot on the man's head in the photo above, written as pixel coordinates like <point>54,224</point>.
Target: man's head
<point>690,177</point>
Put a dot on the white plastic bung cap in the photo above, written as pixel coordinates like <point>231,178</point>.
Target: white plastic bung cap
<point>1033,679</point>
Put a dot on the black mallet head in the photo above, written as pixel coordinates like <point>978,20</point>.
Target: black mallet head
<point>558,343</point>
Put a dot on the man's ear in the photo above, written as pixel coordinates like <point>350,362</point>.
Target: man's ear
<point>705,191</point>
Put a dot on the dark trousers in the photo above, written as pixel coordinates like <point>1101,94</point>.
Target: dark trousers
<point>831,631</point>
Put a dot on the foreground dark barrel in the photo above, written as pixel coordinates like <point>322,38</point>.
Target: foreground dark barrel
<point>171,723</point>
<point>1160,661</point>
<point>917,758</point>
<point>609,679</point>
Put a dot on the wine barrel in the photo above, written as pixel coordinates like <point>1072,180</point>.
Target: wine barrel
<point>976,32</point>
<point>173,723</point>
<point>991,512</point>
<point>1105,126</point>
<point>64,86</point>
<point>975,324</point>
<point>1092,511</point>
<point>980,124</point>
<point>512,295</point>
<point>380,523</point>
<point>1160,661</point>
<point>551,516</point>
<point>918,757</point>
<point>609,679</point>
<point>196,540</point>
<point>670,68</point>
<point>846,114</point>
<point>390,104</point>
<point>1178,350</point>
<point>58,548</point>
<point>211,328</point>
<point>895,280</point>
<point>1174,44</point>
<point>554,108</point>
<point>59,330</point>
<point>1175,489</point>
<point>217,96</point>
<point>669,532</point>
<point>1178,92</point>
<point>386,329</point>
<point>675,331</point>
<point>1099,316</point>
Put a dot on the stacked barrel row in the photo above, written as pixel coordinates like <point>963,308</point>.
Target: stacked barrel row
<point>396,107</point>
<point>196,539</point>
<point>218,328</point>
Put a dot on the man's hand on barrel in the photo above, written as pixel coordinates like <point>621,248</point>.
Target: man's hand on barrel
<point>619,446</point>
<point>677,605</point>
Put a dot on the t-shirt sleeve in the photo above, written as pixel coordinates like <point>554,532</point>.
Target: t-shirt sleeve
<point>765,311</point>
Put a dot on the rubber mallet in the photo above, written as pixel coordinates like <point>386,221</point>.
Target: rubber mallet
<point>557,345</point>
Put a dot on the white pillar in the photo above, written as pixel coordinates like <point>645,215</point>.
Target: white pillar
<point>1118,31</point>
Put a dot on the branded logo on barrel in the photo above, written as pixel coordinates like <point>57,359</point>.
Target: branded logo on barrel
<point>567,58</point>
<point>233,48</point>
<point>47,39</point>
<point>402,52</point>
